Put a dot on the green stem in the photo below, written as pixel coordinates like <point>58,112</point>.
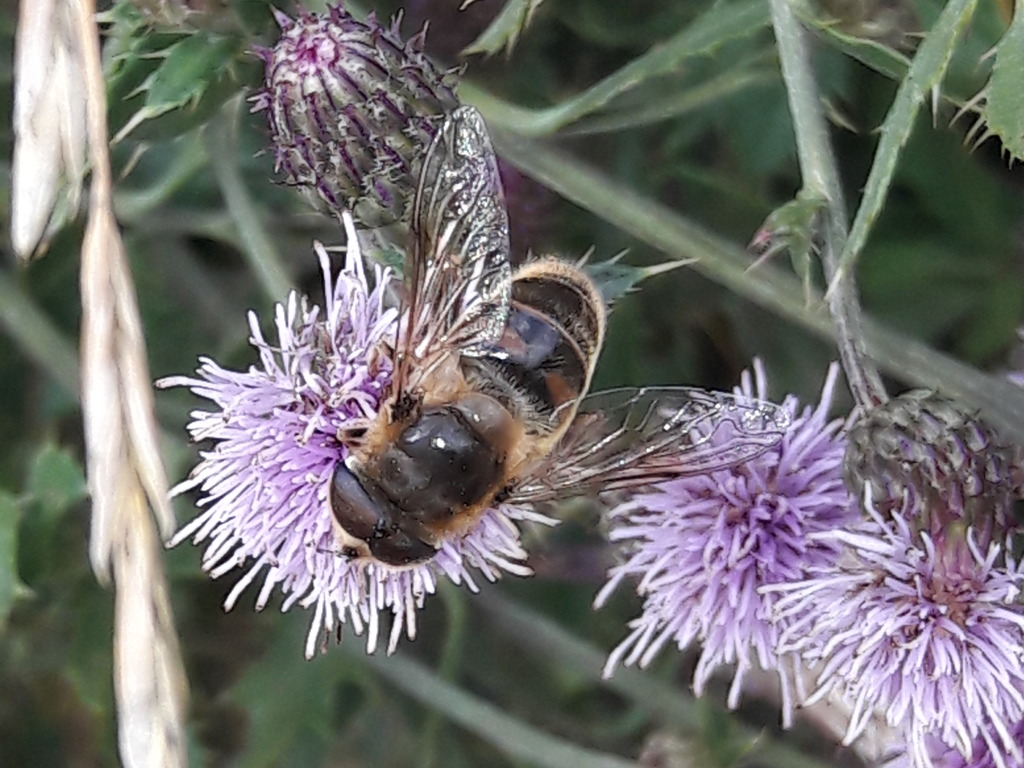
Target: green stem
<point>482,718</point>
<point>538,634</point>
<point>821,179</point>
<point>677,104</point>
<point>926,73</point>
<point>37,336</point>
<point>1001,402</point>
<point>454,600</point>
<point>722,23</point>
<point>258,246</point>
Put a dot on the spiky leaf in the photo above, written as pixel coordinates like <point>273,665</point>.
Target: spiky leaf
<point>503,33</point>
<point>191,69</point>
<point>616,279</point>
<point>1003,108</point>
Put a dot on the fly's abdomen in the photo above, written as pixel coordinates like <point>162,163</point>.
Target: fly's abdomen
<point>542,364</point>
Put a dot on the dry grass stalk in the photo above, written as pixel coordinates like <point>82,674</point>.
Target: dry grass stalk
<point>49,121</point>
<point>126,476</point>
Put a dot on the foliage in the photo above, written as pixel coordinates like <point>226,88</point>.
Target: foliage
<point>667,126</point>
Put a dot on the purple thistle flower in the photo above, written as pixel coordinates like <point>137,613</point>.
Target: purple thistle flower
<point>923,630</point>
<point>703,546</point>
<point>264,483</point>
<point>352,109</point>
<point>986,753</point>
<point>1017,362</point>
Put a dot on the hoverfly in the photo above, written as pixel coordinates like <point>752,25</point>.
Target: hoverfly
<point>488,397</point>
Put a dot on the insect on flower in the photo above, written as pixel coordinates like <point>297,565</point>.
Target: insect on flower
<point>488,398</point>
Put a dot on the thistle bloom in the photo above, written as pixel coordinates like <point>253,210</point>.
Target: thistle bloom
<point>351,109</point>
<point>703,546</point>
<point>1017,376</point>
<point>264,482</point>
<point>986,753</point>
<point>925,630</point>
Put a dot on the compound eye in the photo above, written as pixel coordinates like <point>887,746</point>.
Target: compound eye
<point>358,514</point>
<point>399,548</point>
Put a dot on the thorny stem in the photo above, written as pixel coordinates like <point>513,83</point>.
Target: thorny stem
<point>821,178</point>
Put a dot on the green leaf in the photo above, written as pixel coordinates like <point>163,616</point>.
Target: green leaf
<point>10,585</point>
<point>290,700</point>
<point>679,101</point>
<point>706,35</point>
<point>187,70</point>
<point>792,228</point>
<point>191,67</point>
<point>925,73</point>
<point>1003,105</point>
<point>132,51</point>
<point>870,53</point>
<point>122,14</point>
<point>504,31</point>
<point>56,480</point>
<point>615,279</point>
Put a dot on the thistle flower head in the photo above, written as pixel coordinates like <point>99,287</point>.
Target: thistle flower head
<point>987,753</point>
<point>923,446</point>
<point>264,481</point>
<point>1017,363</point>
<point>351,108</point>
<point>703,546</point>
<point>925,631</point>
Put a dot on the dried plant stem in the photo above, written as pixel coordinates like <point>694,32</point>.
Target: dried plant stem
<point>49,122</point>
<point>125,472</point>
<point>148,676</point>
<point>821,179</point>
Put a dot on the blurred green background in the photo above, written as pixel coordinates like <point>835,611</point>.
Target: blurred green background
<point>711,139</point>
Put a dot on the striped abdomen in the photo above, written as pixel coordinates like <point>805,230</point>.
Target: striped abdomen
<point>542,365</point>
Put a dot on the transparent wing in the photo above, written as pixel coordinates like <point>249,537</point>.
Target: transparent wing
<point>457,266</point>
<point>625,438</point>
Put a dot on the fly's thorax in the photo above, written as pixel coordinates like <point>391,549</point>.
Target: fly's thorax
<point>443,465</point>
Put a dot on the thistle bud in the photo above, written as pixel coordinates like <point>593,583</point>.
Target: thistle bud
<point>352,109</point>
<point>922,445</point>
